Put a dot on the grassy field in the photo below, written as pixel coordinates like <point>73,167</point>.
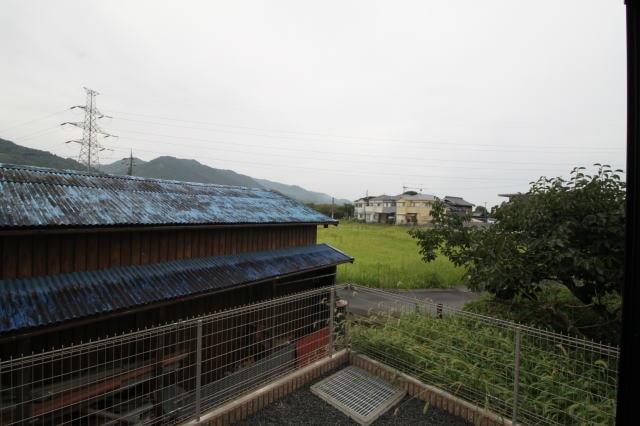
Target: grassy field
<point>386,256</point>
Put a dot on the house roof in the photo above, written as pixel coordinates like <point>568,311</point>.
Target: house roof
<point>385,197</point>
<point>367,198</point>
<point>42,197</point>
<point>417,197</point>
<point>457,201</point>
<point>382,197</point>
<point>48,300</point>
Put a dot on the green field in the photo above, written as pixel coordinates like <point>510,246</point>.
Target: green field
<point>386,256</point>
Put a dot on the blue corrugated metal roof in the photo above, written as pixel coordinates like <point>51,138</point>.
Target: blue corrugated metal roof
<point>41,197</point>
<point>48,300</point>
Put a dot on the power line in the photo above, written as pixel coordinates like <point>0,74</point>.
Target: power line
<point>405,160</point>
<point>13,126</point>
<point>269,150</point>
<point>334,136</point>
<point>37,133</point>
<point>351,172</point>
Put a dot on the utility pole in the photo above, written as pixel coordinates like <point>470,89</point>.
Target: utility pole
<point>130,167</point>
<point>89,145</point>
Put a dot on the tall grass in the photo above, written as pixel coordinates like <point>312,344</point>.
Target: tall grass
<point>562,382</point>
<point>387,257</point>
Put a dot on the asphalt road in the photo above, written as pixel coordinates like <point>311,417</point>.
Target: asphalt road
<point>362,300</point>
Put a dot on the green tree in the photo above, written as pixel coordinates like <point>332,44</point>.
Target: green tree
<point>569,232</point>
<point>482,210</point>
<point>344,211</point>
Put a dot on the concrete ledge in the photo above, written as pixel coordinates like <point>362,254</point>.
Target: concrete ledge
<point>252,402</point>
<point>434,396</point>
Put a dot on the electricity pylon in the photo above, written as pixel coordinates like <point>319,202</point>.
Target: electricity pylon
<point>90,147</point>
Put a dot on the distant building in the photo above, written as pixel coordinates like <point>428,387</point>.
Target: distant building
<point>360,208</point>
<point>87,255</point>
<point>404,209</point>
<point>414,209</point>
<point>381,209</point>
<point>458,205</point>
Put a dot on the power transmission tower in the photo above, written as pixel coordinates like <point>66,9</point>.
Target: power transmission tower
<point>90,147</point>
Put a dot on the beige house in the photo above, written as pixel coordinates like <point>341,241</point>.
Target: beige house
<point>414,209</point>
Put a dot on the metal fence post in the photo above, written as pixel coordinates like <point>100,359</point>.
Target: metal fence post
<point>198,368</point>
<point>516,377</point>
<point>332,315</point>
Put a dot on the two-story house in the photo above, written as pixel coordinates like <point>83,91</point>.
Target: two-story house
<point>414,209</point>
<point>381,209</point>
<point>458,205</point>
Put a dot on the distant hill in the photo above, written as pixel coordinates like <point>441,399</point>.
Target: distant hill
<point>180,169</point>
<point>12,153</point>
<point>298,193</point>
<point>160,168</point>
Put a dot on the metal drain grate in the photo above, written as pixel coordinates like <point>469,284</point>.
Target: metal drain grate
<point>358,394</point>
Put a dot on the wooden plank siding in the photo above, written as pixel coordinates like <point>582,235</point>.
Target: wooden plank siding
<point>31,255</point>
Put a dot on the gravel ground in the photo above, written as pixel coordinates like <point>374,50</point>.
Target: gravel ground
<point>304,408</point>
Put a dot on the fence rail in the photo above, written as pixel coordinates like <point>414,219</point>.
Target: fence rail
<point>171,373</point>
<point>176,372</point>
<point>524,374</point>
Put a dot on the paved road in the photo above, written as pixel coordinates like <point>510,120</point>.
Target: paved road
<point>362,300</point>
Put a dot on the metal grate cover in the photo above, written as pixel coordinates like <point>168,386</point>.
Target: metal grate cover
<point>358,394</point>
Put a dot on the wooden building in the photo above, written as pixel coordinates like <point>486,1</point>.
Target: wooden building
<point>87,255</point>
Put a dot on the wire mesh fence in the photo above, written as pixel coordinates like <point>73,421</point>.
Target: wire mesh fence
<point>174,373</point>
<point>523,374</point>
<point>171,373</point>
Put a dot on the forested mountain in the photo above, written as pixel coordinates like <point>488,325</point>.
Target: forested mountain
<point>298,193</point>
<point>12,153</point>
<point>180,169</point>
<point>160,168</point>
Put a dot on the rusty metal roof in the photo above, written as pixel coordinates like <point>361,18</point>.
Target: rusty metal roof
<point>42,197</point>
<point>48,300</point>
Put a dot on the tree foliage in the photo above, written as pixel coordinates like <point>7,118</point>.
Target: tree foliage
<point>480,209</point>
<point>344,211</point>
<point>569,232</point>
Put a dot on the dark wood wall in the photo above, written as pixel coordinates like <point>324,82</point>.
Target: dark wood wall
<point>38,254</point>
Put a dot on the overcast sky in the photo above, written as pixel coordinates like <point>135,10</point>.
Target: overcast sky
<point>470,98</point>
